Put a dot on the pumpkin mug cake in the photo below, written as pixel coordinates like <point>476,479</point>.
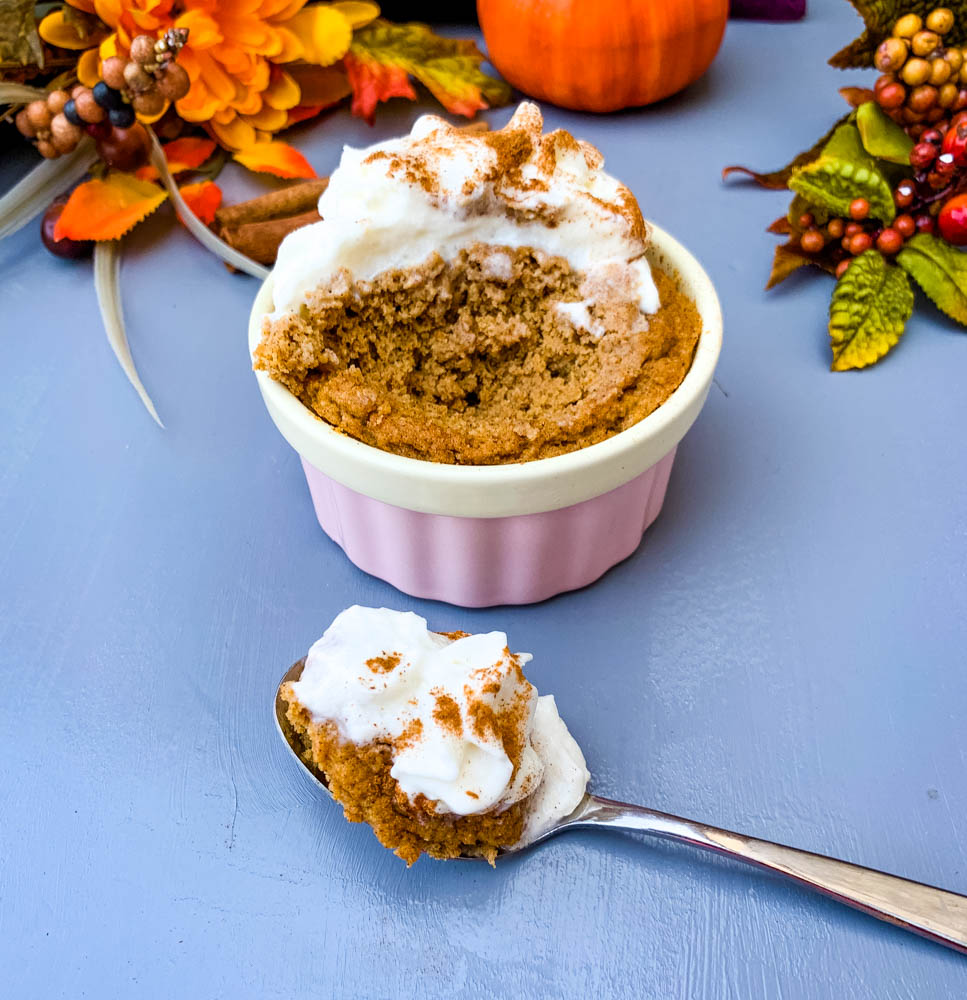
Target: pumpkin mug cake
<point>437,740</point>
<point>482,351</point>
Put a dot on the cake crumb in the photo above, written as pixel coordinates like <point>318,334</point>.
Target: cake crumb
<point>454,363</point>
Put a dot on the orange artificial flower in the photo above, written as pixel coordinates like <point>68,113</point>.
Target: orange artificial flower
<point>234,56</point>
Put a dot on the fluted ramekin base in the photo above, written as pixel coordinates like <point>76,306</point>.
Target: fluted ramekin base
<point>482,561</point>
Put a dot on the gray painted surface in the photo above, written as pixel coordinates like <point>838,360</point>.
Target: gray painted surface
<point>784,655</point>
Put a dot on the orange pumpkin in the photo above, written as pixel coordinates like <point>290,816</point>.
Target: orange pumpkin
<point>592,55</point>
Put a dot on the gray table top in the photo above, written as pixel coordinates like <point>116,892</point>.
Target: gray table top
<point>784,655</point>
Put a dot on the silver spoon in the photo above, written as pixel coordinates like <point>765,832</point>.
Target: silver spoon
<point>933,913</point>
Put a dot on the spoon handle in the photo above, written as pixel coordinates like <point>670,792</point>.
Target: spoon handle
<point>933,913</point>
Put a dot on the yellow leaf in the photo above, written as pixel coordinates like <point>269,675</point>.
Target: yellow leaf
<point>324,32</point>
<point>277,158</point>
<point>107,209</point>
<point>869,309</point>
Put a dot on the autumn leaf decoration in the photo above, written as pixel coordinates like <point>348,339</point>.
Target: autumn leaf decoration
<point>876,201</point>
<point>383,56</point>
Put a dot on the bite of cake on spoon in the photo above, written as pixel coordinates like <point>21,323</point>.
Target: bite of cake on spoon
<point>437,740</point>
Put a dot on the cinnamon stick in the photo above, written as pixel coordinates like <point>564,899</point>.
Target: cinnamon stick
<point>292,200</point>
<point>260,240</point>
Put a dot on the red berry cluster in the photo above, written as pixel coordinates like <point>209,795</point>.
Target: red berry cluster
<point>840,240</point>
<point>924,88</point>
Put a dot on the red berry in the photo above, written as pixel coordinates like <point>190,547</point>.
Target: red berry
<point>860,243</point>
<point>891,96</point>
<point>889,241</point>
<point>812,241</point>
<point>842,267</point>
<point>125,148</point>
<point>933,136</point>
<point>806,220</point>
<point>924,223</point>
<point>859,208</point>
<point>836,228</point>
<point>903,196</point>
<point>99,131</point>
<point>852,228</point>
<point>952,221</point>
<point>945,164</point>
<point>905,226</point>
<point>61,248</point>
<point>955,143</point>
<point>922,155</point>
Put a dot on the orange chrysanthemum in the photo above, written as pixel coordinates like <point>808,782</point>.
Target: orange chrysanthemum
<point>235,54</point>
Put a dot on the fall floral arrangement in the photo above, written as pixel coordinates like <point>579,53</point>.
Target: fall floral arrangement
<point>882,197</point>
<point>148,99</point>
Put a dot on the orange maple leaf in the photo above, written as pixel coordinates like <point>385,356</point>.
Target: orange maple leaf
<point>203,199</point>
<point>182,154</point>
<point>277,158</point>
<point>373,82</point>
<point>107,209</point>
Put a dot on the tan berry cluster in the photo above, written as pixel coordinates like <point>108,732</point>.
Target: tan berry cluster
<point>150,77</point>
<point>923,79</point>
<point>44,121</point>
<point>141,84</point>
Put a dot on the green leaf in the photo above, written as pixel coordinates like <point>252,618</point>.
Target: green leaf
<point>879,17</point>
<point>870,307</point>
<point>799,206</point>
<point>778,179</point>
<point>19,41</point>
<point>940,270</point>
<point>845,171</point>
<point>881,136</point>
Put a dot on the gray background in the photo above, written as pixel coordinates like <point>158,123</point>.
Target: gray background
<point>784,655</point>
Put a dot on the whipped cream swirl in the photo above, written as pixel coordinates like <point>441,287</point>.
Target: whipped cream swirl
<point>447,704</point>
<point>439,190</point>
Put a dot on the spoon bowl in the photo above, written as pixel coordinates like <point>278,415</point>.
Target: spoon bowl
<point>933,913</point>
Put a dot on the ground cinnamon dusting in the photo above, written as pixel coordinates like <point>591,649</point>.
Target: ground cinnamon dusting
<point>447,713</point>
<point>385,663</point>
<point>461,363</point>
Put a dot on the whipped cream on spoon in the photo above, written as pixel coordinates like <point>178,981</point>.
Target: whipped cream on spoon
<point>926,910</point>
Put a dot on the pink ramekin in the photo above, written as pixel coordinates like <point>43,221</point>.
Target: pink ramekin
<point>499,534</point>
